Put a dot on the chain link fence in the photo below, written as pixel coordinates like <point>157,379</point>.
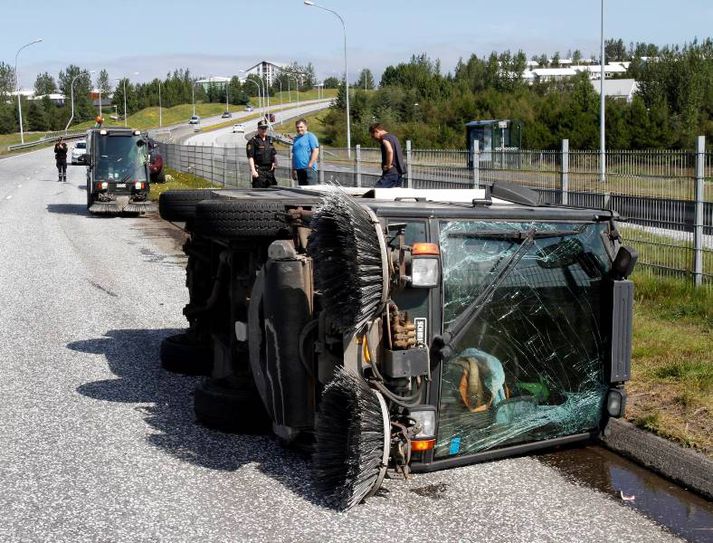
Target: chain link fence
<point>665,196</point>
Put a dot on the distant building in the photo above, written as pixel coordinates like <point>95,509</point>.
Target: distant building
<point>265,70</point>
<point>56,98</point>
<point>218,81</point>
<point>618,89</point>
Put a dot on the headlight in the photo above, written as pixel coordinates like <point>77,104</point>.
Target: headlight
<point>425,265</point>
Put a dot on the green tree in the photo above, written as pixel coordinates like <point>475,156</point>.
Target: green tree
<point>103,83</point>
<point>7,78</point>
<point>45,84</point>
<point>366,80</point>
<point>36,119</point>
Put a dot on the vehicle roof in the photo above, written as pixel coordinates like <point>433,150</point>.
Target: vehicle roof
<point>428,204</point>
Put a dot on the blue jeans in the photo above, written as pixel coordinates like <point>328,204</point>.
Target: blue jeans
<point>389,180</point>
<point>307,176</point>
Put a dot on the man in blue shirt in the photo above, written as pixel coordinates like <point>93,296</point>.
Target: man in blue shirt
<point>305,150</point>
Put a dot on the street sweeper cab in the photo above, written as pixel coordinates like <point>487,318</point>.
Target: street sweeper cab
<point>402,329</point>
<point>117,171</point>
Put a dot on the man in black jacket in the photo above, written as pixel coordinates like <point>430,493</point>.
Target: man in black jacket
<point>60,157</point>
<point>393,165</point>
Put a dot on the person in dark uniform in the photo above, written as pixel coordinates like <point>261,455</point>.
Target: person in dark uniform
<point>262,157</point>
<point>60,157</point>
<point>393,165</point>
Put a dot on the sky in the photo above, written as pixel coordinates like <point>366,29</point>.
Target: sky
<point>221,37</point>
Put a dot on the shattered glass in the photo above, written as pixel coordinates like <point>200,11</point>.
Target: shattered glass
<point>530,365</point>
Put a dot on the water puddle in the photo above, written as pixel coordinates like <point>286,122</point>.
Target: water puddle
<point>683,513</point>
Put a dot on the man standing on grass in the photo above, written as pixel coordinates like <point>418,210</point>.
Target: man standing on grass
<point>305,151</point>
<point>393,165</point>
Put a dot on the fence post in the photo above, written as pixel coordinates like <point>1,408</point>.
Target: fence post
<point>357,164</point>
<point>700,197</point>
<point>409,156</point>
<point>293,181</point>
<point>564,181</point>
<point>475,153</point>
<point>319,168</point>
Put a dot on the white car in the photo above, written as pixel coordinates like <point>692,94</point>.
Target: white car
<point>79,152</point>
<point>195,119</point>
<point>238,128</point>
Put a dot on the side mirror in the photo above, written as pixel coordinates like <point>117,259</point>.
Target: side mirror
<point>140,143</point>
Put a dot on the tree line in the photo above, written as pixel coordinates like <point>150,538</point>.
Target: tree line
<point>176,88</point>
<point>416,101</point>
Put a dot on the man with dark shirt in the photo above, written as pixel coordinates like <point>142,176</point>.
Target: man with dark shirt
<point>60,157</point>
<point>262,157</point>
<point>393,165</point>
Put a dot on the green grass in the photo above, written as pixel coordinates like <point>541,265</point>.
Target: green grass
<point>671,390</point>
<point>302,96</point>
<point>12,139</point>
<point>176,180</point>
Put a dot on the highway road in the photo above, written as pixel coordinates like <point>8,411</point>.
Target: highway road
<point>98,443</point>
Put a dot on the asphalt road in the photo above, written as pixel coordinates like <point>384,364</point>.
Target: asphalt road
<point>97,443</point>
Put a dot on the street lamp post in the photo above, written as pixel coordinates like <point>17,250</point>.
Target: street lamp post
<point>71,92</point>
<point>17,87</point>
<point>297,88</point>
<point>259,90</point>
<point>125,112</point>
<point>160,116</point>
<point>280,83</point>
<point>346,73</point>
<point>602,107</point>
<point>193,97</point>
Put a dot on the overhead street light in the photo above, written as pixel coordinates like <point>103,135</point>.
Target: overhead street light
<point>259,91</point>
<point>17,87</point>
<point>346,81</point>
<point>257,81</point>
<point>602,108</point>
<point>125,113</point>
<point>71,92</point>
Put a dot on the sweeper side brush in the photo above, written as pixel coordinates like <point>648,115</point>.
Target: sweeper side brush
<point>352,441</point>
<point>349,253</point>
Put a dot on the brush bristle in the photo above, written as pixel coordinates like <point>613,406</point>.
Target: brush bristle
<point>349,441</point>
<point>348,269</point>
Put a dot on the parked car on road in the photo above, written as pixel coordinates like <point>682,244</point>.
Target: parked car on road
<point>195,119</point>
<point>79,152</point>
<point>238,128</point>
<point>226,115</point>
<point>156,172</point>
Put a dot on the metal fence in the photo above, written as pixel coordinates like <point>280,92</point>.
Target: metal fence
<point>666,196</point>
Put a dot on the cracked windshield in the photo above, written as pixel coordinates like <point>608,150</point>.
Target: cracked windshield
<point>528,366</point>
<point>120,158</point>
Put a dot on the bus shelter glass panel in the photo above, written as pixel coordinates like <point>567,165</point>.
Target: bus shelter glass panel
<point>530,364</point>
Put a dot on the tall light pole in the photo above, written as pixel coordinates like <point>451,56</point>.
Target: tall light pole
<point>17,87</point>
<point>346,72</point>
<point>71,92</point>
<point>259,90</point>
<point>258,82</point>
<point>227,88</point>
<point>280,83</point>
<point>297,87</point>
<point>125,112</point>
<point>160,116</point>
<point>602,107</point>
<point>193,97</point>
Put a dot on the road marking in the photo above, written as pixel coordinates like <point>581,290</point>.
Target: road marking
<point>8,197</point>
<point>18,186</point>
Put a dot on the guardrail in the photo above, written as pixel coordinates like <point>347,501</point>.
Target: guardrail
<point>54,136</point>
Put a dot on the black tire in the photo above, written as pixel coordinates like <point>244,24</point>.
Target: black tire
<point>180,205</point>
<point>181,355</point>
<point>228,408</point>
<point>233,218</point>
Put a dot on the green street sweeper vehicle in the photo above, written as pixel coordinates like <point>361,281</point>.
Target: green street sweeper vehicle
<point>117,171</point>
<point>402,329</point>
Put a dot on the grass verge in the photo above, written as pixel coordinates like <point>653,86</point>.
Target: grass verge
<point>179,181</point>
<point>671,390</point>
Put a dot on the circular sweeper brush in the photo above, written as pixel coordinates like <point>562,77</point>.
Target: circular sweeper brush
<point>352,441</point>
<point>348,249</point>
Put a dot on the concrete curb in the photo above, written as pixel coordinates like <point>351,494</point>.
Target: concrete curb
<point>686,467</point>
